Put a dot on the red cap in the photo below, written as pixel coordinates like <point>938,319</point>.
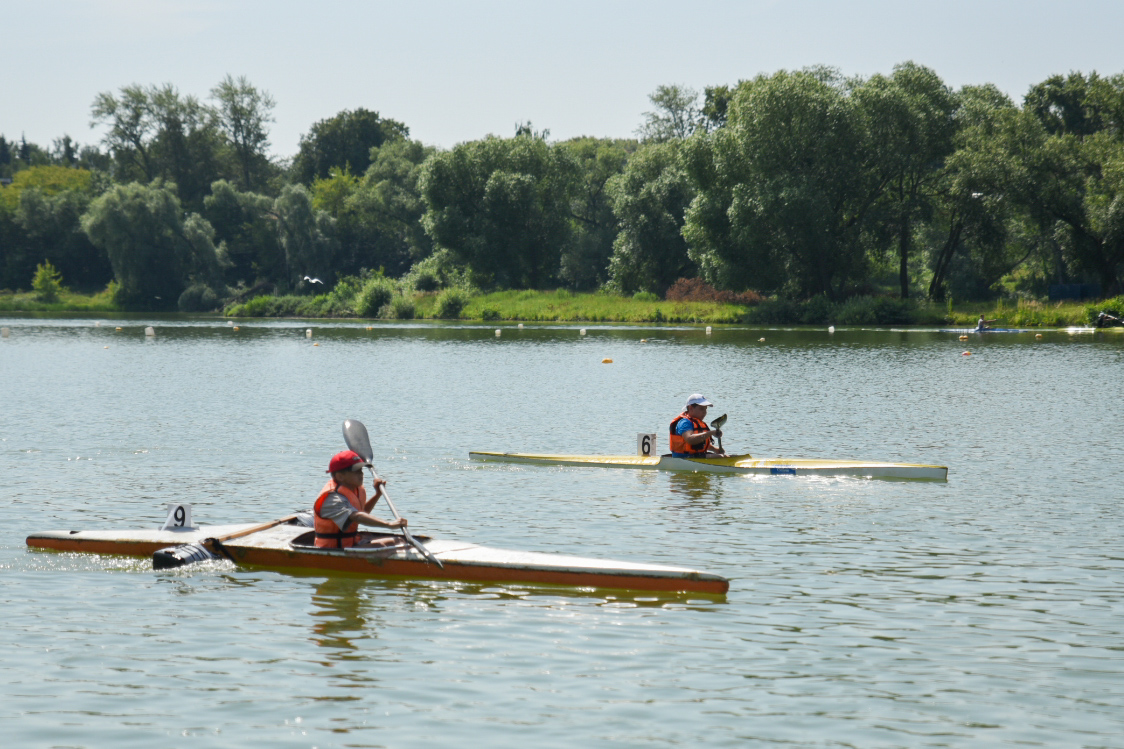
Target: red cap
<point>345,461</point>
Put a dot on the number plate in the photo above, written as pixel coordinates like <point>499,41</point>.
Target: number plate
<point>646,444</point>
<point>179,518</point>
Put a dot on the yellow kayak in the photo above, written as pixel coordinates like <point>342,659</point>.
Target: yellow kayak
<point>744,464</point>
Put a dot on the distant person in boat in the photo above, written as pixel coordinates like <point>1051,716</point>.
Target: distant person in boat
<point>343,505</point>
<point>689,435</point>
<point>1105,320</point>
<point>984,324</point>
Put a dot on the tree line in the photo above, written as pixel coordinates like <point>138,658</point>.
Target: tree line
<point>799,183</point>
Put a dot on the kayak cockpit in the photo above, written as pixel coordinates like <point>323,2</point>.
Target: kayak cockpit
<point>367,543</point>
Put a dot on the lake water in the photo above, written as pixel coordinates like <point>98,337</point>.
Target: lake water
<point>985,611</point>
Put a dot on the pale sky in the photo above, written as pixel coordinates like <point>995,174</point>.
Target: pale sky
<point>457,71</point>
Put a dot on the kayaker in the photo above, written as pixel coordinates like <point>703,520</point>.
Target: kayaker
<point>984,324</point>
<point>688,433</point>
<point>1105,320</point>
<point>343,505</point>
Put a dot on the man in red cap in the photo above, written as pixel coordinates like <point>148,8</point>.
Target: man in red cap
<point>343,505</point>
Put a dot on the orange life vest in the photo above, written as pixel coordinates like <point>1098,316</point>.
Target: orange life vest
<point>679,443</point>
<point>328,534</point>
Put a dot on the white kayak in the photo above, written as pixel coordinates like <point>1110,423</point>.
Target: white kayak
<point>287,546</point>
<point>743,464</point>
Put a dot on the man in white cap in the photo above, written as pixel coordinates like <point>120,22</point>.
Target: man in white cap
<point>689,435</point>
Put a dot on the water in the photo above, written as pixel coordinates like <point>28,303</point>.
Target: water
<point>984,611</point>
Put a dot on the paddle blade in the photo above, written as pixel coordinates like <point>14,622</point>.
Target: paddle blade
<point>355,435</point>
<point>717,423</point>
<point>179,556</point>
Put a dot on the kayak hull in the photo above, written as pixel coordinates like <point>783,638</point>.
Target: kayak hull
<point>741,464</point>
<point>280,548</point>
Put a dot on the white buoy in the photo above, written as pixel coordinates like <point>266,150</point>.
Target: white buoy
<point>308,333</point>
<point>150,331</point>
<point>5,332</point>
<point>97,324</point>
<point>708,330</point>
<point>830,328</point>
<point>520,326</point>
<point>229,322</point>
<point>582,331</point>
<point>497,332</point>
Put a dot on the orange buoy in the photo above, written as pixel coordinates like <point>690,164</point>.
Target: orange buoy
<point>1037,335</point>
<point>967,353</point>
<point>606,361</point>
<point>963,337</point>
<point>316,344</point>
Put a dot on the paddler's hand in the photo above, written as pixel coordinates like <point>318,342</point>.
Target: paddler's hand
<point>377,482</point>
<point>399,523</point>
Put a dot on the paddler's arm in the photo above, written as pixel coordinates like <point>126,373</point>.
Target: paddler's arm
<point>697,438</point>
<point>365,519</point>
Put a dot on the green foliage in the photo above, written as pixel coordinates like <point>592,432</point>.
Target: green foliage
<point>868,310</point>
<point>401,307</point>
<point>819,310</point>
<point>344,142</point>
<point>47,282</point>
<point>198,298</point>
<point>489,314</point>
<point>450,303</point>
<point>376,292</point>
<point>307,235</point>
<point>155,251</point>
<point>248,233</point>
<point>649,200</point>
<point>502,207</point>
<point>646,296</point>
<point>243,113</point>
<point>1113,306</point>
<point>438,271</point>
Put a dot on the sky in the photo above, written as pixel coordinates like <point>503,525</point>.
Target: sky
<point>458,71</point>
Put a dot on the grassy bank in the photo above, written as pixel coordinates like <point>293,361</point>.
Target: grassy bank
<point>564,306</point>
<point>68,301</point>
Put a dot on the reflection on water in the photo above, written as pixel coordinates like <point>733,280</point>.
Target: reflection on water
<point>341,614</point>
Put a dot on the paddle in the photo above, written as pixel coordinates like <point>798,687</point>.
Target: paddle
<point>717,425</point>
<point>355,435</point>
<point>202,551</point>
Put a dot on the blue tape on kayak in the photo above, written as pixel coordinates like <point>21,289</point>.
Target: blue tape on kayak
<point>782,471</point>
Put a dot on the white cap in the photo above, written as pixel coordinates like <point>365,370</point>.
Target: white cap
<point>698,400</point>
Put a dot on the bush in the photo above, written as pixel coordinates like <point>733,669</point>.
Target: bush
<point>869,310</point>
<point>400,308</point>
<point>1113,306</point>
<point>376,293</point>
<point>450,303</point>
<point>646,296</point>
<point>489,314</point>
<point>698,290</point>
<point>198,298</point>
<point>47,282</point>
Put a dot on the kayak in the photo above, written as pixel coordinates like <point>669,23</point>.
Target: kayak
<point>289,547</point>
<point>744,464</point>
<point>962,331</point>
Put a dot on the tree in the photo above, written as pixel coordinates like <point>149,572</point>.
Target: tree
<point>676,114</point>
<point>909,123</point>
<point>244,113</point>
<point>247,229</point>
<point>47,282</point>
<point>185,147</point>
<point>131,129</point>
<point>502,206</point>
<point>344,142</point>
<point>307,235</point>
<point>784,189</point>
<point>585,263</point>
<point>156,252</point>
<point>650,200</point>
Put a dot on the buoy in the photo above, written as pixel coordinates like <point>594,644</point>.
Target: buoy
<point>236,327</point>
<point>760,340</point>
<point>117,329</point>
<point>97,324</point>
<point>316,344</point>
<point>830,328</point>
<point>643,340</point>
<point>229,322</point>
<point>520,326</point>
<point>150,331</point>
<point>967,353</point>
<point>497,332</point>
<point>582,331</point>
<point>308,333</point>
<point>1037,335</point>
<point>963,337</point>
<point>370,327</point>
<point>5,332</point>
<point>708,330</point>
<point>606,361</point>
<point>105,347</point>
